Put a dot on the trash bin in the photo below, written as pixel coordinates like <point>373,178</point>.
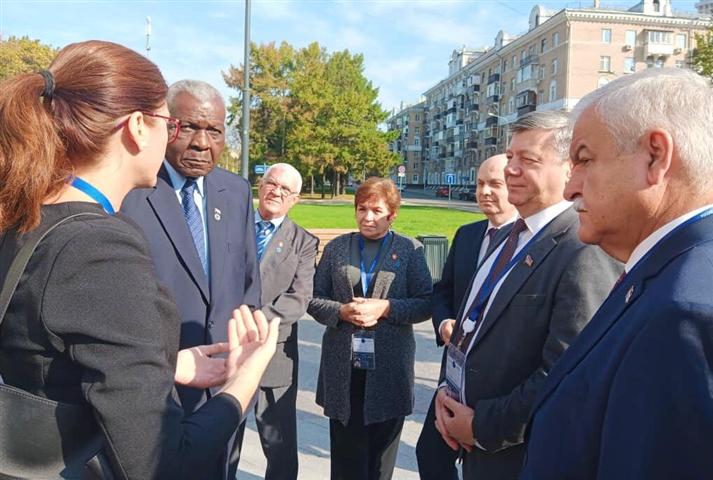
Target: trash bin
<point>436,249</point>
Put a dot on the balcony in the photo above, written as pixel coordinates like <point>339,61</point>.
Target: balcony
<point>658,50</point>
<point>494,98</point>
<point>530,59</point>
<point>526,102</point>
<point>475,88</point>
<point>530,84</point>
<point>471,144</point>
<point>495,77</point>
<point>491,121</point>
<point>490,141</point>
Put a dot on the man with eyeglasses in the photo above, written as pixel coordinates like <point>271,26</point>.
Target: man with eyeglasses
<point>199,224</point>
<point>287,255</point>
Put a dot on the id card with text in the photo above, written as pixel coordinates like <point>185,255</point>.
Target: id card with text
<point>363,352</point>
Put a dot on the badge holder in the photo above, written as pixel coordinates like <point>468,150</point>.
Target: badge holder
<point>454,371</point>
<point>363,355</point>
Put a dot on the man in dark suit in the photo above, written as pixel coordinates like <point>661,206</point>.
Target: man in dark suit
<point>287,255</point>
<point>436,460</point>
<point>199,224</point>
<point>527,302</point>
<point>633,397</point>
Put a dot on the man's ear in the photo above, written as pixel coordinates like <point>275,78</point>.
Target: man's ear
<point>658,145</point>
<point>137,130</point>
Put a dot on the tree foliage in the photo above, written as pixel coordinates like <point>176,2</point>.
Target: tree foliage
<point>703,53</point>
<point>23,55</point>
<point>314,110</point>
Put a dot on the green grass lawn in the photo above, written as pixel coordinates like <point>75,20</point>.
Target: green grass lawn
<point>412,220</point>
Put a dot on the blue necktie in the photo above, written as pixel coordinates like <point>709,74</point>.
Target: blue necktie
<point>194,220</point>
<point>264,232</point>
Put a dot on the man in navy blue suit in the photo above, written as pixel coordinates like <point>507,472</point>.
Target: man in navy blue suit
<point>632,398</point>
<point>199,224</point>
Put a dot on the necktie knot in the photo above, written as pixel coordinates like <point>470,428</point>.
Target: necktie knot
<point>491,233</point>
<point>189,187</point>
<point>519,227</point>
<point>264,226</point>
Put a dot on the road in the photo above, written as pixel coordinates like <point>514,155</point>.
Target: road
<point>416,196</point>
<point>313,427</point>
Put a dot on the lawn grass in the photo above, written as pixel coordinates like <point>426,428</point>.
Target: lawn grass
<point>412,220</point>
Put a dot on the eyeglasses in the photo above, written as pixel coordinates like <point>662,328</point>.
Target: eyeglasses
<point>272,186</point>
<point>173,125</point>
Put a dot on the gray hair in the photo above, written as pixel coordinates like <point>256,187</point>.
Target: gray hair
<point>556,121</point>
<point>674,99</point>
<point>289,169</point>
<point>202,91</point>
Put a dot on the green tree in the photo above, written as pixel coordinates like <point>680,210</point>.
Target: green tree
<point>23,55</point>
<point>703,53</point>
<point>314,110</point>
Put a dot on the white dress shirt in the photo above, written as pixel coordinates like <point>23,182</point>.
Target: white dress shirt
<point>649,242</point>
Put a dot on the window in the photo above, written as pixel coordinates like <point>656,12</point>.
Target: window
<point>605,64</point>
<point>656,36</point>
<point>543,45</point>
<point>416,141</point>
<point>680,64</point>
<point>553,90</point>
<point>660,63</point>
<point>418,118</point>
<point>630,38</point>
<point>555,39</point>
<point>555,65</point>
<point>606,35</point>
<point>540,97</point>
<point>542,72</point>
<point>414,178</point>
<point>512,84</point>
<point>681,41</point>
<point>629,65</point>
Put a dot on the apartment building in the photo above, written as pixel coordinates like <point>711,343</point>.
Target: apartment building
<point>563,56</point>
<point>409,121</point>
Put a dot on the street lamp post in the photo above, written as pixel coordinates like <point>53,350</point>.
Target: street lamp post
<point>245,143</point>
<point>148,35</point>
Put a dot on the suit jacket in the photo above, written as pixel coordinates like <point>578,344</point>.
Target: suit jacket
<point>205,306</point>
<point>538,311</point>
<point>461,264</point>
<point>402,277</point>
<point>287,272</point>
<point>633,398</point>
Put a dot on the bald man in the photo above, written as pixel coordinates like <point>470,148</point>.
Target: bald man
<point>435,459</point>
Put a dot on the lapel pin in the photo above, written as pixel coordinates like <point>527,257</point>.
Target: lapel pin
<point>279,247</point>
<point>629,294</point>
<point>216,214</point>
<point>529,261</point>
<point>394,256</point>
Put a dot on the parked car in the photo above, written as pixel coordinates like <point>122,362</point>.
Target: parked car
<point>468,194</point>
<point>442,191</point>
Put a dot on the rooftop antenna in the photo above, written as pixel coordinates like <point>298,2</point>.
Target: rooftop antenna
<point>148,35</point>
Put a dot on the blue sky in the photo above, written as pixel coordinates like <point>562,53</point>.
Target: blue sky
<point>406,44</point>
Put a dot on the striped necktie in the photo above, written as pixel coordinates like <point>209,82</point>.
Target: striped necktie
<point>264,231</point>
<point>194,220</point>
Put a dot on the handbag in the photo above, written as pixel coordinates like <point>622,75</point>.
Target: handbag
<point>41,438</point>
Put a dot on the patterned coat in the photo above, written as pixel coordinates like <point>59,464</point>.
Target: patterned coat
<point>403,278</point>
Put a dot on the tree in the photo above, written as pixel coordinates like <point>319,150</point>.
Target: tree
<point>703,53</point>
<point>23,55</point>
<point>314,110</point>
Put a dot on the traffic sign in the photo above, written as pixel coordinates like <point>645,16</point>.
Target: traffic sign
<point>402,169</point>
<point>260,169</point>
<point>450,178</point>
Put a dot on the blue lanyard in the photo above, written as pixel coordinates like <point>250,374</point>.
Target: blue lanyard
<point>706,213</point>
<point>366,276</point>
<point>92,191</point>
<point>489,285</point>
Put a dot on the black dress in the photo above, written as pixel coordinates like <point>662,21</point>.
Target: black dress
<point>89,323</point>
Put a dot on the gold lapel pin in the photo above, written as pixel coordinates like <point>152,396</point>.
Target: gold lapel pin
<point>529,261</point>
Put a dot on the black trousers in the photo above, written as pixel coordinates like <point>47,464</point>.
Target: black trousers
<point>363,452</point>
<point>436,460</point>
<point>276,419</point>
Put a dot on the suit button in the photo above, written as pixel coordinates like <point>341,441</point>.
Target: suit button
<point>210,324</point>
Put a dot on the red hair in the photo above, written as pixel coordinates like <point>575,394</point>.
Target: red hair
<point>379,189</point>
<point>41,139</point>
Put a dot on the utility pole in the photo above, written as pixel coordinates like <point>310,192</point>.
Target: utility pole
<point>148,36</point>
<point>245,143</point>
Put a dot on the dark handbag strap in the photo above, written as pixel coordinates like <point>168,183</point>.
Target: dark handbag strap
<point>19,263</point>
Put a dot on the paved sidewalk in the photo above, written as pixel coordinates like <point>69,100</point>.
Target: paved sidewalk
<point>313,427</point>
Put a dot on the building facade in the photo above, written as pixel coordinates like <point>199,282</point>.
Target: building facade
<point>409,122</point>
<point>563,56</point>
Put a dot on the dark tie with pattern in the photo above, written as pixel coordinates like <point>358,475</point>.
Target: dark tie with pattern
<point>262,237</point>
<point>194,220</point>
<point>502,261</point>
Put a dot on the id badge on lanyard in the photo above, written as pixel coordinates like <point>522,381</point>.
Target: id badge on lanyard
<point>455,360</point>
<point>363,352</point>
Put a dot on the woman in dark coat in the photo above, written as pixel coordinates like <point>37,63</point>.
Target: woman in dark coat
<point>89,324</point>
<point>369,289</point>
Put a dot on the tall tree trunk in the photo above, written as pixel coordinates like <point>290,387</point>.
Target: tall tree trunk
<point>338,185</point>
<point>324,180</point>
<point>311,184</point>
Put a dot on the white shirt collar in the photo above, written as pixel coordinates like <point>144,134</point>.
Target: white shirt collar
<point>275,221</point>
<point>649,242</point>
<point>178,180</point>
<point>539,220</point>
<point>504,224</point>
